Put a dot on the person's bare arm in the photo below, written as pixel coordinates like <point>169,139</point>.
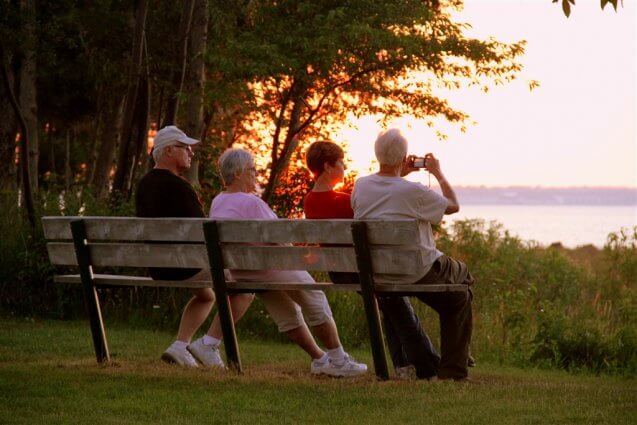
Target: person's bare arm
<point>433,166</point>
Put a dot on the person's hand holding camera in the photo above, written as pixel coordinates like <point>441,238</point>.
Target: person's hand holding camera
<point>432,164</point>
<point>408,166</point>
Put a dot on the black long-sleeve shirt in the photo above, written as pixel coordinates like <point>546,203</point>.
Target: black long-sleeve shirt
<point>161,193</point>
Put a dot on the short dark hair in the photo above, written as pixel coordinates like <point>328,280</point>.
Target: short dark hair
<point>321,152</point>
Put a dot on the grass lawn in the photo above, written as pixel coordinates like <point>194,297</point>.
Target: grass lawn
<point>48,374</point>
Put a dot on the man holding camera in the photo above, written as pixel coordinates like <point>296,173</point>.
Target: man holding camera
<point>387,195</point>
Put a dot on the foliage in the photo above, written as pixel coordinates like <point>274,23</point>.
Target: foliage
<point>566,5</point>
<point>535,304</point>
<point>308,64</point>
<point>292,188</point>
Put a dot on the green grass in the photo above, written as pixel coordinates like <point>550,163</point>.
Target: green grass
<point>48,375</point>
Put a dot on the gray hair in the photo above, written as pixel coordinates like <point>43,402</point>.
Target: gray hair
<point>233,161</point>
<point>159,153</point>
<point>390,147</point>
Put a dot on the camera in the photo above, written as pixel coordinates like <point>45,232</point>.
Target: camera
<point>416,161</point>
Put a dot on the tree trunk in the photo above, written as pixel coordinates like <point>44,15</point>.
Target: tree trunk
<point>180,63</point>
<point>8,131</point>
<point>142,122</point>
<point>28,90</point>
<point>109,137</point>
<point>97,129</point>
<point>125,151</point>
<point>289,146</point>
<point>196,80</point>
<point>67,160</point>
<point>49,141</point>
<point>24,140</point>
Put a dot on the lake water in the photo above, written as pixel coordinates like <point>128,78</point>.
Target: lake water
<point>571,225</point>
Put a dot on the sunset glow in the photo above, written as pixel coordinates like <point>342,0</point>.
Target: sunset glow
<point>576,129</point>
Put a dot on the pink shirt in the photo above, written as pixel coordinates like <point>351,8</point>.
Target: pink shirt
<point>241,205</point>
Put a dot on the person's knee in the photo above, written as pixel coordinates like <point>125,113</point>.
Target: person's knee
<point>318,315</point>
<point>249,297</point>
<point>204,295</point>
<point>288,324</point>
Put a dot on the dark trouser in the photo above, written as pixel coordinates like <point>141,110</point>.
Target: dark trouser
<point>408,342</point>
<point>454,309</point>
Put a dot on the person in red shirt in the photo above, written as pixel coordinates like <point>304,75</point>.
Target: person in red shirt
<point>325,161</point>
<point>411,349</point>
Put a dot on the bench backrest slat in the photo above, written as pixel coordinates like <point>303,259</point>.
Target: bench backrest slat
<point>133,255</point>
<point>241,257</point>
<point>384,260</point>
<point>129,242</point>
<point>396,232</point>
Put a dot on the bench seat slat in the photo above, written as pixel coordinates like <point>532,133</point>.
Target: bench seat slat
<point>394,232</point>
<point>118,280</point>
<point>387,288</point>
<point>121,280</point>
<point>291,286</point>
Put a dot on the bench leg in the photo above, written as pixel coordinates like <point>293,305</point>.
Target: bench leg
<point>376,336</point>
<point>91,298</point>
<point>366,276</point>
<point>229,334</point>
<point>215,259</point>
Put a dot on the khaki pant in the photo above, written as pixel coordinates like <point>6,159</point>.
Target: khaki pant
<point>287,308</point>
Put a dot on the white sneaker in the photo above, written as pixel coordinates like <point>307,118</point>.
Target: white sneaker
<point>208,355</point>
<point>174,355</point>
<point>348,367</point>
<point>317,367</point>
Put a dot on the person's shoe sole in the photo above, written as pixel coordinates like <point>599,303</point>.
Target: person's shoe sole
<point>348,374</point>
<point>466,379</point>
<point>168,358</point>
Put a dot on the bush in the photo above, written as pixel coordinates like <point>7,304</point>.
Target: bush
<point>576,343</point>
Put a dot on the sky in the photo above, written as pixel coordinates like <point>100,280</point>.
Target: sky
<point>576,129</point>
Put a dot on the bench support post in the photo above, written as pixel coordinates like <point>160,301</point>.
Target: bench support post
<point>91,298</point>
<point>366,276</point>
<point>215,259</point>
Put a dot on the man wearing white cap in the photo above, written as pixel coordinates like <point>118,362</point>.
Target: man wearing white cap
<point>163,193</point>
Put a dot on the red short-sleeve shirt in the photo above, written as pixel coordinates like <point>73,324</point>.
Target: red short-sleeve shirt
<point>330,204</point>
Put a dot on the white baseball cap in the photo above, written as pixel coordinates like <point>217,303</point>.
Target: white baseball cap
<point>170,134</point>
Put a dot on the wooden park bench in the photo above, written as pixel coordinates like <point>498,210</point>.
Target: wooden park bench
<point>363,247</point>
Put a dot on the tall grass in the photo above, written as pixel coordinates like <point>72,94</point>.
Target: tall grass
<point>533,305</point>
<point>538,305</point>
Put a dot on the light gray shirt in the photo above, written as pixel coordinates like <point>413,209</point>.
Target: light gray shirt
<point>381,197</point>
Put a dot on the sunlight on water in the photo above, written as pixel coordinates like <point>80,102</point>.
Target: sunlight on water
<point>571,225</point>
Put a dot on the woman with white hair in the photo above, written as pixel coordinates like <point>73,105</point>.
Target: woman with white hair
<point>285,307</point>
<point>387,195</point>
